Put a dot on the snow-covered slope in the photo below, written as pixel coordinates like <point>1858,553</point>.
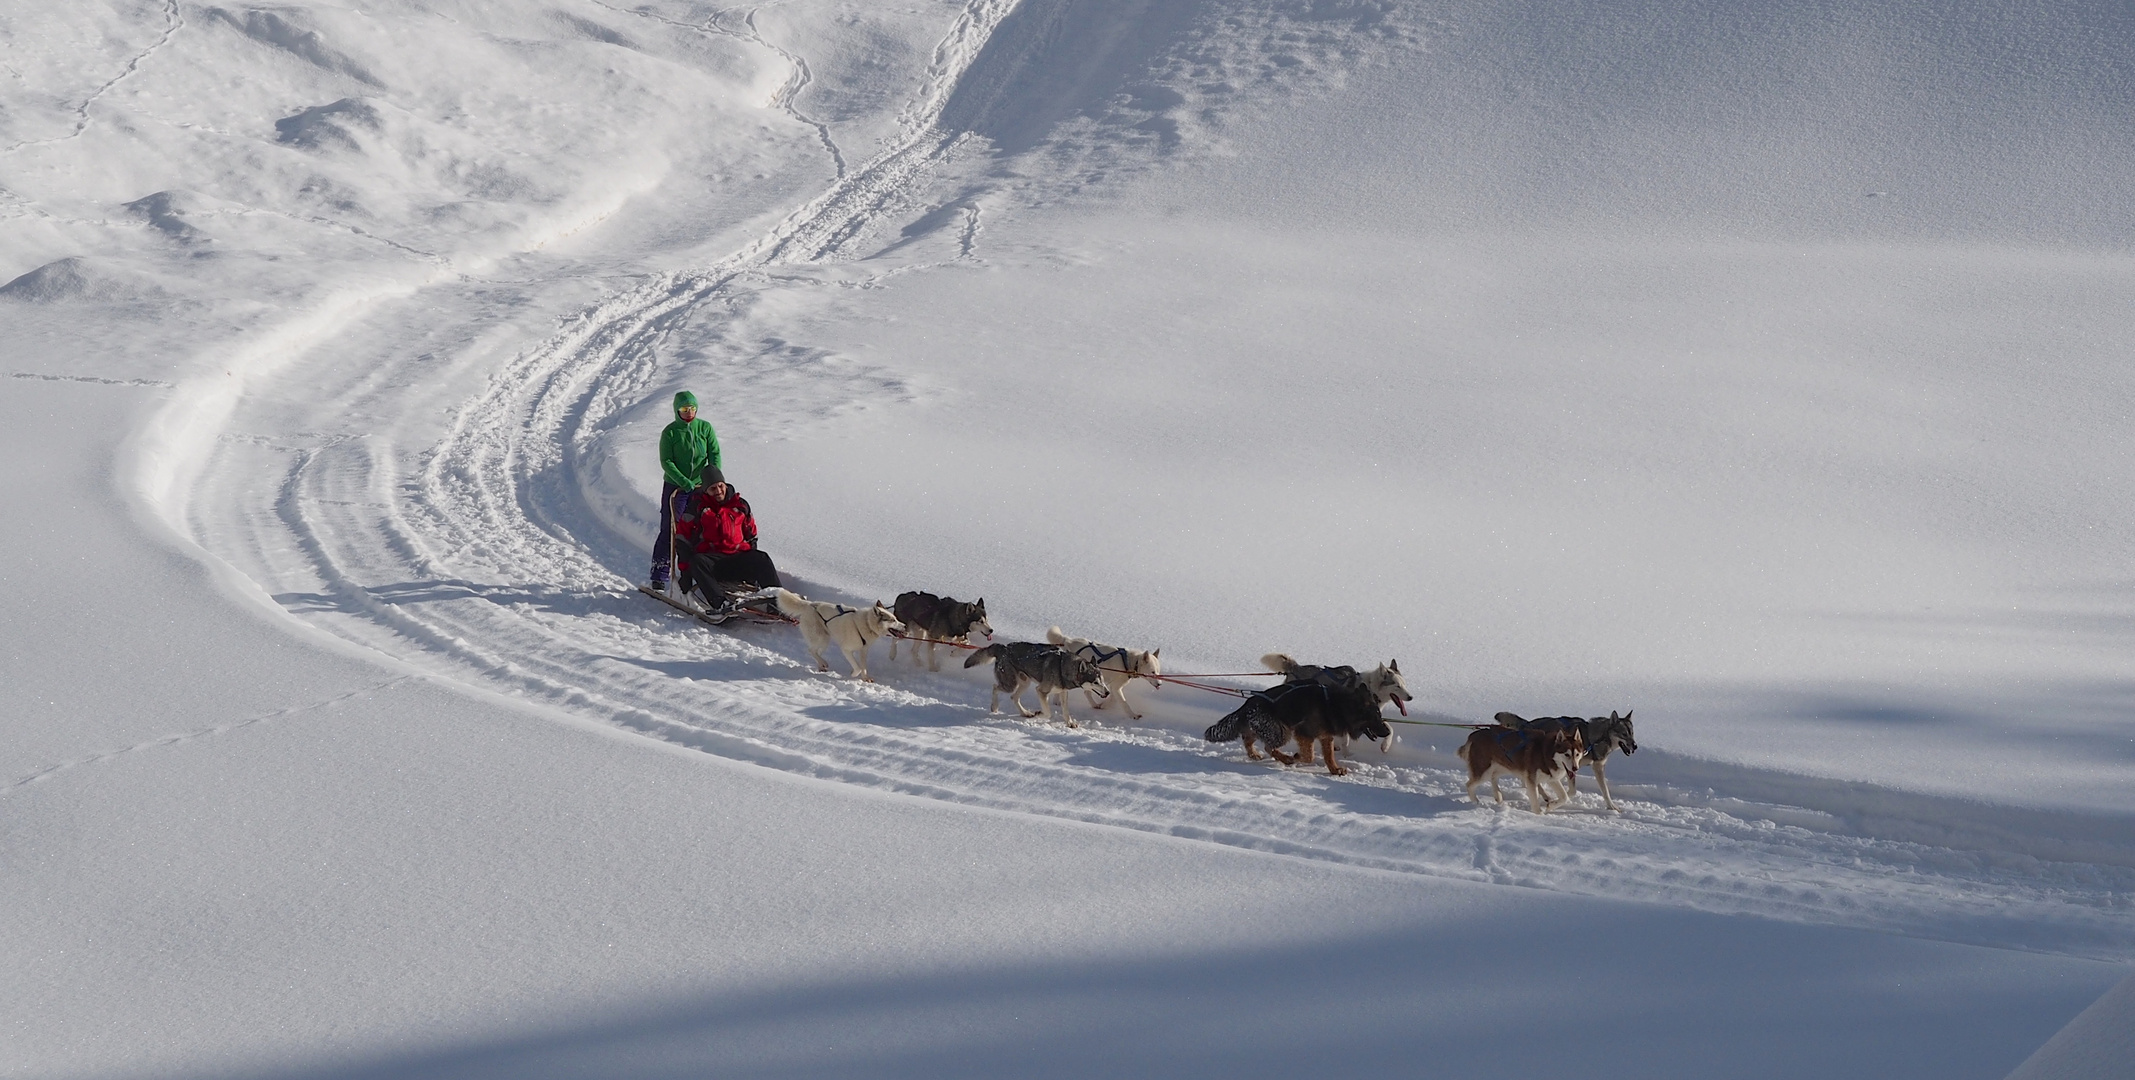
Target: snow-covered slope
<point>2099,1042</point>
<point>1757,371</point>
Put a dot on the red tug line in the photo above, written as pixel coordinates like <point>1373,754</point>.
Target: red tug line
<point>1191,681</point>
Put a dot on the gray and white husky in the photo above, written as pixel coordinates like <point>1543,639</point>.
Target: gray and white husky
<point>1052,669</point>
<point>1118,666</point>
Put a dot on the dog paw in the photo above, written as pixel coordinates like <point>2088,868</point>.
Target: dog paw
<point>1337,770</point>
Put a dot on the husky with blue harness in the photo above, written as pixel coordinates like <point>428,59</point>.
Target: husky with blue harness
<point>1119,666</point>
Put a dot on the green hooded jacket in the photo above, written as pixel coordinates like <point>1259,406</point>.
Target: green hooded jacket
<point>687,447</point>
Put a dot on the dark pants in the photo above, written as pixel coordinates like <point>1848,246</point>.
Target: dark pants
<point>662,548</point>
<point>751,568</point>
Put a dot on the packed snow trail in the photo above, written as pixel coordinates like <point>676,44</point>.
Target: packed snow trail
<point>476,554</point>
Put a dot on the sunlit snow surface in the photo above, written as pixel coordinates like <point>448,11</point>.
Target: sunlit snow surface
<point>1761,372</point>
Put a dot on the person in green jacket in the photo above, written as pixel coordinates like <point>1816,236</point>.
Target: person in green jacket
<point>687,446</point>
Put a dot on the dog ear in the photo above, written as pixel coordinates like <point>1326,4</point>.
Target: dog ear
<point>1394,666</point>
<point>1154,653</point>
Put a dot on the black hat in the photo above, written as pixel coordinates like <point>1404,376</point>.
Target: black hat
<point>711,476</point>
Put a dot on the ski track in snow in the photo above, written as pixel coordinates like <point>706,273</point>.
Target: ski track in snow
<point>478,557</point>
<point>783,98</point>
<point>49,771</point>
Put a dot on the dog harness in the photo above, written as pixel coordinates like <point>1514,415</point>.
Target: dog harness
<point>1100,657</point>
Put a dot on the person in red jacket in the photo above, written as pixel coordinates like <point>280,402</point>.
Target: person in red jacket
<point>716,531</point>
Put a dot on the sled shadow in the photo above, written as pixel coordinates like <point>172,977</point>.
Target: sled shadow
<point>719,670</point>
<point>559,601</point>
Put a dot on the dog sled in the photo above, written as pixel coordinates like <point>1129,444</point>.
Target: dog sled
<point>744,603</point>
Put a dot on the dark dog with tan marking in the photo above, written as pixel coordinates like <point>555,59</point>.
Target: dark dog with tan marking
<point>1384,682</point>
<point>1311,713</point>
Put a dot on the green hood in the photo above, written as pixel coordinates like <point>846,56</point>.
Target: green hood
<point>684,400</point>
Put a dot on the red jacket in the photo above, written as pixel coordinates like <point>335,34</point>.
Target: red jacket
<point>720,528</point>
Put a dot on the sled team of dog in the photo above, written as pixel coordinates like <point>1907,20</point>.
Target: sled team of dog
<point>1315,706</point>
<point>1054,667</point>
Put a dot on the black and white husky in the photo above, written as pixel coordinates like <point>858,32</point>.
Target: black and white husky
<point>1119,667</point>
<point>1052,669</point>
<point>930,618</point>
<point>1598,738</point>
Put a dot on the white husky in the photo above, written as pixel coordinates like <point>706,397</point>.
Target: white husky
<point>1118,666</point>
<point>853,629</point>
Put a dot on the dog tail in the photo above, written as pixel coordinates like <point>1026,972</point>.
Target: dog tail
<point>793,603</point>
<point>1278,662</point>
<point>1053,634</point>
<point>980,656</point>
<point>1511,720</point>
<point>1230,727</point>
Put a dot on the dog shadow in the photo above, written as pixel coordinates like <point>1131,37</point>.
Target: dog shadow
<point>1132,758</point>
<point>905,717</point>
<point>1340,793</point>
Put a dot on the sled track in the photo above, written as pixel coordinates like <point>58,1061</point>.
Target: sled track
<point>478,557</point>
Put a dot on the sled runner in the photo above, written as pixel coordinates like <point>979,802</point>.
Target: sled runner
<point>746,605</point>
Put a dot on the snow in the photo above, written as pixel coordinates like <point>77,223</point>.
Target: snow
<point>2097,1043</point>
<point>1758,370</point>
